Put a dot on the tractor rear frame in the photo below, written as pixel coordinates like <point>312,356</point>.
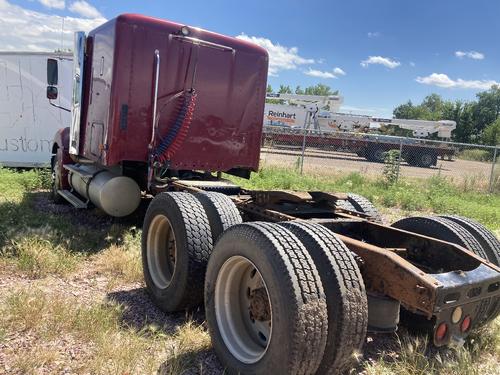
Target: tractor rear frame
<point>428,276</point>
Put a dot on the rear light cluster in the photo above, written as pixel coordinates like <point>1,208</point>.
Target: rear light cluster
<point>456,316</point>
<point>441,331</point>
<point>466,323</point>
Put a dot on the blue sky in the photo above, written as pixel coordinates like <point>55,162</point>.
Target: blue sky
<point>377,53</point>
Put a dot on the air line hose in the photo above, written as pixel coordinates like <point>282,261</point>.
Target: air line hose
<point>177,133</point>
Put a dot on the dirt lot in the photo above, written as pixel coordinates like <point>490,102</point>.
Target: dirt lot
<point>336,162</point>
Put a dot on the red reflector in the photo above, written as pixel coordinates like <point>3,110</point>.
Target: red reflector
<point>464,327</point>
<point>441,331</point>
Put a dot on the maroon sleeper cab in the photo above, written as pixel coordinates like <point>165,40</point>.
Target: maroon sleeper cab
<point>229,80</point>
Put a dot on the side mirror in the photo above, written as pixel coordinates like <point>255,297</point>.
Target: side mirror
<point>51,92</point>
<point>52,72</point>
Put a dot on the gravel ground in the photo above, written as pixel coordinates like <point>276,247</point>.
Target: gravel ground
<point>337,162</point>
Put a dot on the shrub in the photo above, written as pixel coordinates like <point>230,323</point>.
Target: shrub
<point>476,154</point>
<point>391,167</point>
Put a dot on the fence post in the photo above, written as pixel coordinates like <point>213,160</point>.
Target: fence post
<point>399,158</point>
<point>493,170</point>
<point>304,143</point>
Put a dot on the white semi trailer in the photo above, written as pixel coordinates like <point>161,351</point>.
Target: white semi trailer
<point>28,121</point>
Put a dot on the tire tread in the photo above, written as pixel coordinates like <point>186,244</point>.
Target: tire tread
<point>221,211</point>
<point>347,307</point>
<point>199,244</point>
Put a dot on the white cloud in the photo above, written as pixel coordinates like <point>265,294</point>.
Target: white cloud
<point>386,61</point>
<point>339,72</point>
<point>442,80</point>
<point>325,74</point>
<point>56,4</point>
<point>27,30</point>
<point>280,57</point>
<point>84,9</point>
<point>319,73</point>
<point>412,64</point>
<point>470,54</point>
<point>374,34</point>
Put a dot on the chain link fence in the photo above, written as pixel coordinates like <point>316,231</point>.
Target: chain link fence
<point>469,165</point>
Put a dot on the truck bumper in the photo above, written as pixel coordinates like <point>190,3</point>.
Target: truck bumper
<point>467,299</point>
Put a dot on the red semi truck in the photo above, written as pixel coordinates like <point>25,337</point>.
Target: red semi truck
<point>291,281</point>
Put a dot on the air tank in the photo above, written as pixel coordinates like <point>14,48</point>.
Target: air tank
<point>114,194</point>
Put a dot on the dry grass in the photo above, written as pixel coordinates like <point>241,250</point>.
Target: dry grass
<point>49,315</point>
<point>190,339</point>
<point>30,362</point>
<point>120,265</point>
<point>102,342</point>
<point>416,356</point>
<point>121,261</point>
<point>33,253</point>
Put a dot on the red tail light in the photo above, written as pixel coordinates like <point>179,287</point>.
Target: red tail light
<point>441,331</point>
<point>464,327</point>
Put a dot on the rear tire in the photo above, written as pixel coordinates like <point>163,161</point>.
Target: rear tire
<point>426,159</point>
<point>375,154</point>
<point>345,295</point>
<point>488,241</point>
<point>291,302</point>
<point>176,245</point>
<point>441,229</point>
<point>56,184</point>
<point>422,159</point>
<point>221,211</point>
<point>361,204</point>
<point>450,231</point>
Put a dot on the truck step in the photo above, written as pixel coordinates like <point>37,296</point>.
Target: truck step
<point>71,198</point>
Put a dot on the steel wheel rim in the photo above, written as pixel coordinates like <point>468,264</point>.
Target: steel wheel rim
<point>161,251</point>
<point>243,318</point>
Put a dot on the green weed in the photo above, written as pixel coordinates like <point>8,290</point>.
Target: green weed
<point>435,194</point>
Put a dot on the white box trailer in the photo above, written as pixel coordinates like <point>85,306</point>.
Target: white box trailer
<point>28,121</point>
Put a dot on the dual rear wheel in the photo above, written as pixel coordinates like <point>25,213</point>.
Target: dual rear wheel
<point>279,297</point>
<point>262,284</point>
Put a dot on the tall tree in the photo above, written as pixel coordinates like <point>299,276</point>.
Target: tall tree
<point>320,89</point>
<point>404,111</point>
<point>285,89</point>
<point>434,108</point>
<point>433,104</point>
<point>487,109</point>
<point>269,89</point>
<point>411,111</point>
<point>491,134</point>
<point>299,91</point>
<point>462,114</point>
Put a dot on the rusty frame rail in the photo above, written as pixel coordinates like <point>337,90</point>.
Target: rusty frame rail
<point>385,269</point>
